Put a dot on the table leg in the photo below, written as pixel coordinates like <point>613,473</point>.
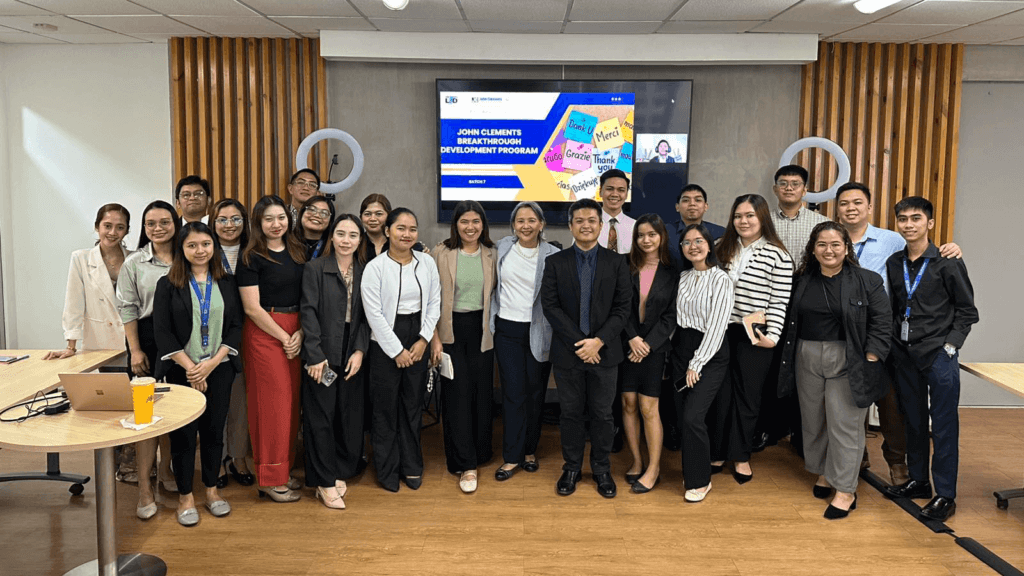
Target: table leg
<point>109,563</point>
<point>52,473</point>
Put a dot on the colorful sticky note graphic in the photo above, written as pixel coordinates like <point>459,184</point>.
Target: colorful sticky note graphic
<point>576,155</point>
<point>585,184</point>
<point>625,162</point>
<point>553,158</point>
<point>562,181</point>
<point>608,134</point>
<point>605,160</point>
<point>580,126</point>
<point>627,127</point>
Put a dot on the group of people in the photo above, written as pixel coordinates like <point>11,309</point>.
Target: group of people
<point>294,315</point>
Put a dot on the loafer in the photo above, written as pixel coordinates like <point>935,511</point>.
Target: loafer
<point>413,482</point>
<point>694,495</point>
<point>502,474</point>
<point>910,489</point>
<point>939,508</point>
<point>567,482</point>
<point>833,513</point>
<point>189,518</point>
<point>821,492</point>
<point>219,508</point>
<point>146,512</point>
<point>605,484</point>
<point>531,466</point>
<point>639,488</point>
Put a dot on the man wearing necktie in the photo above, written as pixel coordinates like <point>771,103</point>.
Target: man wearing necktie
<point>586,294</point>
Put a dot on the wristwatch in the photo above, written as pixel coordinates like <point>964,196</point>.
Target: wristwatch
<point>950,349</point>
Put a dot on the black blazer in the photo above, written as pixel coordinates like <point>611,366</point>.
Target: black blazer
<point>322,313</point>
<point>867,322</point>
<point>659,310</point>
<point>172,321</point>
<point>609,305</point>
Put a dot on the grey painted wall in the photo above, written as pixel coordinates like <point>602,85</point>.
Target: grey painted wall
<point>743,117</point>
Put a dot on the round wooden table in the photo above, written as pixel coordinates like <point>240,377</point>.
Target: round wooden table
<point>101,432</point>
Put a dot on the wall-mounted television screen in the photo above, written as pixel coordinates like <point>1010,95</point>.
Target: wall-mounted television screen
<point>504,141</point>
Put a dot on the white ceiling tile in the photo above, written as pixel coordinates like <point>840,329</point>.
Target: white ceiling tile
<point>893,32</point>
<point>303,7</point>
<point>619,11</point>
<point>155,24</point>
<point>1014,42</point>
<point>708,26</point>
<point>978,34</point>
<point>417,9</point>
<point>612,27</point>
<point>64,25</point>
<point>197,7</point>
<point>950,12</point>
<point>820,28</point>
<point>516,26</point>
<point>312,26</point>
<point>8,36</point>
<point>90,7</point>
<point>105,38</point>
<point>403,25</point>
<point>836,11</point>
<point>229,26</point>
<point>742,10</point>
<point>535,10</point>
<point>1011,19</point>
<point>12,8</point>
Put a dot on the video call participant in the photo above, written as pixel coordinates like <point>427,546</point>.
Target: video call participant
<point>192,199</point>
<point>586,297</point>
<point>691,204</point>
<point>933,310</point>
<point>302,186</point>
<point>661,153</point>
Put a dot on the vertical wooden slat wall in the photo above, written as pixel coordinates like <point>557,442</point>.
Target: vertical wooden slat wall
<point>240,107</point>
<point>895,110</point>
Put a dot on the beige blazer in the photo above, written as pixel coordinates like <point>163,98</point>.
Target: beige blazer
<point>446,260</point>
<point>90,307</point>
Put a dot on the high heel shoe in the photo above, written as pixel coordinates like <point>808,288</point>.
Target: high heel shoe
<point>334,503</point>
<point>742,478</point>
<point>277,495</point>
<point>246,479</point>
<point>833,513</point>
<point>413,482</point>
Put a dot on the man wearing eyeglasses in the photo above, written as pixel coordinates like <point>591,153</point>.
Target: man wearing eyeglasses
<point>303,185</point>
<point>192,199</point>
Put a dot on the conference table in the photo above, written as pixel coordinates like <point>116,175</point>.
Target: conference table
<point>1009,376</point>
<point>99,431</point>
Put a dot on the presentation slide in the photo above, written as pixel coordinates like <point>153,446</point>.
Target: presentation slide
<point>540,146</point>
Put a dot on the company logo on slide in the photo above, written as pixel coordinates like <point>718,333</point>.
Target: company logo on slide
<point>450,100</point>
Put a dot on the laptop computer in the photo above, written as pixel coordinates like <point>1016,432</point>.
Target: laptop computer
<point>98,391</point>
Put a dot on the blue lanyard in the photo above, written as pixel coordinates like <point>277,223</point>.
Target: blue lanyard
<point>316,251</point>
<point>204,307</point>
<point>861,249</point>
<point>906,282</point>
<point>227,265</point>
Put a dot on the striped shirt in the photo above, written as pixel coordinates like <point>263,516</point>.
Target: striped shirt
<point>795,232</point>
<point>764,284</point>
<point>703,303</point>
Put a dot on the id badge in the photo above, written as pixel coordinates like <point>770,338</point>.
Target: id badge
<point>905,330</point>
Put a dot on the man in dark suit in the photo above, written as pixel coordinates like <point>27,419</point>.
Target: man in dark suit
<point>586,296</point>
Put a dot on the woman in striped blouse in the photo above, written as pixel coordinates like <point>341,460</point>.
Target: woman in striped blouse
<point>700,360</point>
<point>762,274</point>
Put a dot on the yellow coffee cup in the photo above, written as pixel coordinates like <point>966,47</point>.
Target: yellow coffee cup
<point>143,396</point>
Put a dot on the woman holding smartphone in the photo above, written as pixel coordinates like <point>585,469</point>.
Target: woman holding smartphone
<point>197,316</point>
<point>336,339</point>
<point>402,300</point>
<point>762,273</point>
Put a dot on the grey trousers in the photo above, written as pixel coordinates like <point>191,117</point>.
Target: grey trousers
<point>236,430</point>
<point>833,425</point>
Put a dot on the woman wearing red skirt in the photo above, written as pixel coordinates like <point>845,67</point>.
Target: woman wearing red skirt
<point>270,283</point>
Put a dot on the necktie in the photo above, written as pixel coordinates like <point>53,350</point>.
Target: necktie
<point>585,287</point>
<point>613,236</point>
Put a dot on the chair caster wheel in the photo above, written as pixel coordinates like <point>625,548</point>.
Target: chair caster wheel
<point>1002,504</point>
<point>76,489</point>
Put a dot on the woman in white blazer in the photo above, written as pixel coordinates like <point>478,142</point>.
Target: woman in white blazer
<point>91,320</point>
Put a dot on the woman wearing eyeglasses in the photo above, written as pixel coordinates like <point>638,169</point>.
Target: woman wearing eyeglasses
<point>314,217</point>
<point>302,186</point>
<point>231,224</point>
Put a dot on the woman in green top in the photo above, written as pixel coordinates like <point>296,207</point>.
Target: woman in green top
<point>466,266</point>
<point>197,316</point>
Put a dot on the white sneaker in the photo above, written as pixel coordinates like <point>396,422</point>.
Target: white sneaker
<point>696,495</point>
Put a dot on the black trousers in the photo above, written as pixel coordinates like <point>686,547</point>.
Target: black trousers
<point>466,412</point>
<point>779,417</point>
<point>524,382</point>
<point>397,396</point>
<point>693,404</point>
<point>332,426</point>
<point>209,426</point>
<point>585,394</point>
<point>739,399</point>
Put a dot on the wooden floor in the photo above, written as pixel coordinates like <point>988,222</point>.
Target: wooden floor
<point>771,525</point>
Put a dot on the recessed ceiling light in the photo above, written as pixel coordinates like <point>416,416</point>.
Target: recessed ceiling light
<point>396,4</point>
<point>872,6</point>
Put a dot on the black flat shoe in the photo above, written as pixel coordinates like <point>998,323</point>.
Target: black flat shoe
<point>567,482</point>
<point>605,485</point>
<point>833,513</point>
<point>822,492</point>
<point>639,488</point>
<point>501,474</point>
<point>940,508</point>
<point>742,478</point>
<point>632,478</point>
<point>413,482</point>
<point>531,466</point>
<point>910,489</point>
<point>246,479</point>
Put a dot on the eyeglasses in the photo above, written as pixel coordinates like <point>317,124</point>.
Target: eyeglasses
<point>789,185</point>
<point>189,195</point>
<point>309,184</point>
<point>150,224</point>
<point>320,213</point>
<point>236,220</point>
<point>697,242</point>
